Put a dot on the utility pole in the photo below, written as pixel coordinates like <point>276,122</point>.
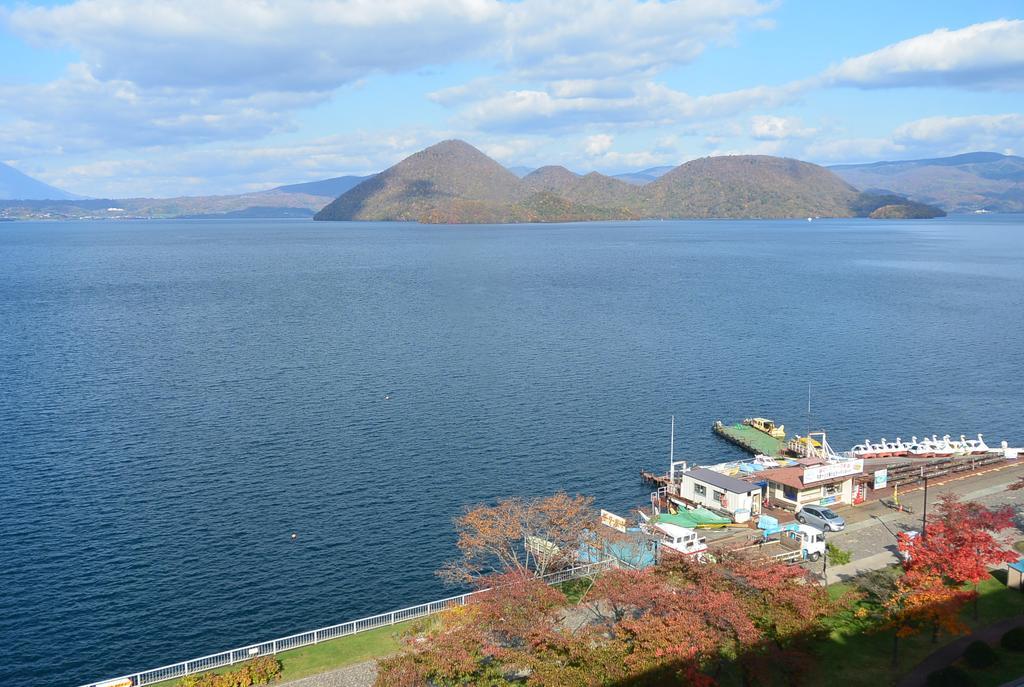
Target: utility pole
<point>672,454</point>
<point>924,514</point>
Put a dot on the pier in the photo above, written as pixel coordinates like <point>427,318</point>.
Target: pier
<point>751,440</point>
<point>655,479</point>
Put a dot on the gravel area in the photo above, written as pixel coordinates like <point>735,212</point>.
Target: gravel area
<point>356,675</point>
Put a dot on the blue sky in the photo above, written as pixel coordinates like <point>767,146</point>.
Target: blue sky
<point>155,98</point>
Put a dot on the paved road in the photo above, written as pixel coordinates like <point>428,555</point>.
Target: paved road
<point>872,528</point>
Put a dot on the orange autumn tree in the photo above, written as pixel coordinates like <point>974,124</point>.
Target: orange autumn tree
<point>522,536</point>
<point>922,600</point>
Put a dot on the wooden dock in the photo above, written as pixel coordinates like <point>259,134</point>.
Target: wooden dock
<point>751,440</point>
<point>651,478</point>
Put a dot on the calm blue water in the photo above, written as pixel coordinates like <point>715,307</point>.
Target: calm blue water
<point>176,398</point>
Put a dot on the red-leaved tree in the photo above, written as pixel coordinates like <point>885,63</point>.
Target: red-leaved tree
<point>959,544</point>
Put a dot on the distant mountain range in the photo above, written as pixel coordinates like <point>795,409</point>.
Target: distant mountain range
<point>453,182</point>
<point>644,176</point>
<point>329,188</point>
<point>15,185</point>
<point>961,183</point>
<point>734,186</point>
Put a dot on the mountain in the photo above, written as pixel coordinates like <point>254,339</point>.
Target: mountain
<point>520,171</point>
<point>453,182</point>
<point>263,204</point>
<point>960,183</point>
<point>434,180</point>
<point>596,190</point>
<point>644,176</point>
<point>328,188</point>
<point>749,186</point>
<point>17,186</point>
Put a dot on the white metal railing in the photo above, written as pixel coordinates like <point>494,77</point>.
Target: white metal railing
<point>231,656</point>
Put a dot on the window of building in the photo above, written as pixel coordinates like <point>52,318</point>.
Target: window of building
<point>700,490</point>
<point>718,496</point>
<point>789,493</point>
<point>831,490</point>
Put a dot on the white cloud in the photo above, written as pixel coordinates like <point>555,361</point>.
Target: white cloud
<point>862,149</point>
<point>574,39</point>
<point>192,71</point>
<point>928,137</point>
<point>80,112</point>
<point>320,44</point>
<point>598,144</point>
<point>987,55</point>
<point>210,169</point>
<point>988,131</point>
<point>242,45</point>
<point>770,128</point>
<point>646,103</point>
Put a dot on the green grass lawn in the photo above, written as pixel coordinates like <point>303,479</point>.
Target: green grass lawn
<point>853,655</point>
<point>1009,667</point>
<point>335,653</point>
<point>575,589</point>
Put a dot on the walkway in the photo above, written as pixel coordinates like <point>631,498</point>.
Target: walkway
<point>356,675</point>
<point>943,656</point>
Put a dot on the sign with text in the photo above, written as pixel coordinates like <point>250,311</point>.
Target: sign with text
<point>818,473</point>
<point>881,479</point>
<point>614,521</point>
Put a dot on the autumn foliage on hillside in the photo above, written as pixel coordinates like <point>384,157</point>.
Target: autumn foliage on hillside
<point>680,623</point>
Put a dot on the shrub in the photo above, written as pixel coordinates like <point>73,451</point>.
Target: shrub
<point>836,555</point>
<point>950,676</point>
<point>1013,640</point>
<point>980,655</point>
<point>259,671</point>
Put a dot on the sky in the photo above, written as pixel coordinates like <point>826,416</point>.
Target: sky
<point>126,98</point>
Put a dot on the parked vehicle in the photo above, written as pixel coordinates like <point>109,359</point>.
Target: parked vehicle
<point>790,543</point>
<point>681,539</point>
<point>821,517</point>
<point>805,542</point>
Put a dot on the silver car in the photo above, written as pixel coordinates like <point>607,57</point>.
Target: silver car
<point>820,517</point>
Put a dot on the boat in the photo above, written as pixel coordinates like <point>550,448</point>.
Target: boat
<point>975,447</point>
<point>922,448</point>
<point>767,426</point>
<point>943,447</point>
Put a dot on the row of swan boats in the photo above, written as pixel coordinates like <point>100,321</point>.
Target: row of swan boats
<point>922,448</point>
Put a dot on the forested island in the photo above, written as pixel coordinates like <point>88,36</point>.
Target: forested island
<point>454,183</point>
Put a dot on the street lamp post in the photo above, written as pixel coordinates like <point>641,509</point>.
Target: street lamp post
<point>924,511</point>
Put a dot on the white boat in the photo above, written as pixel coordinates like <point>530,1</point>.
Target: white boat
<point>899,448</point>
<point>883,449</point>
<point>943,449</point>
<point>975,447</point>
<point>880,449</point>
<point>865,450</point>
<point>922,448</point>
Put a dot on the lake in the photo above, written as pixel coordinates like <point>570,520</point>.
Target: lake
<point>178,397</point>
